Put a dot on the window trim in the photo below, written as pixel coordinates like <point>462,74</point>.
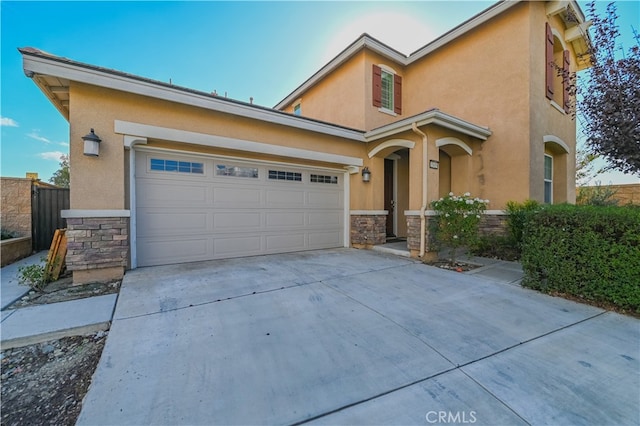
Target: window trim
<point>548,181</point>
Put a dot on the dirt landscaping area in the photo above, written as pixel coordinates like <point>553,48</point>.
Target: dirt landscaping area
<point>45,383</point>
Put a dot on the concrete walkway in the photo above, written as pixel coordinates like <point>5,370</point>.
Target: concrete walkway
<point>39,323</point>
<point>358,337</point>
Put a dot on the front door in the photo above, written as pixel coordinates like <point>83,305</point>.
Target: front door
<point>389,196</point>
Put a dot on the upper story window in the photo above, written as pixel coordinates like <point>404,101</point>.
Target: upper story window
<point>558,61</point>
<point>387,90</point>
<point>297,109</point>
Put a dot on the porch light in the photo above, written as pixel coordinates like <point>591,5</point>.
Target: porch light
<point>91,144</point>
<point>366,175</point>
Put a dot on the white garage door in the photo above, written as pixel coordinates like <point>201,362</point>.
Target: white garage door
<point>201,208</point>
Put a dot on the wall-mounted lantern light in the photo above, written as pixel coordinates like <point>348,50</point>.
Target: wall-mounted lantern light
<point>91,144</point>
<point>366,175</point>
<point>433,164</point>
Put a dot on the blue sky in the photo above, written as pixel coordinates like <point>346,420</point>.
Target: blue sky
<point>262,50</point>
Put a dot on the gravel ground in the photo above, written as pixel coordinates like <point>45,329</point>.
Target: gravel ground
<point>44,383</point>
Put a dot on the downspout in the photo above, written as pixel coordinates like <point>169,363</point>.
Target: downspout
<point>423,208</point>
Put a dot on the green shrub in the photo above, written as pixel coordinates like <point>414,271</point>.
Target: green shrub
<point>517,216</point>
<point>588,252</point>
<point>596,196</point>
<point>6,234</point>
<point>34,276</point>
<point>496,247</point>
<point>457,221</point>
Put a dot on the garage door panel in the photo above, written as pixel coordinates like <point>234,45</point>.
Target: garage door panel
<point>171,222</point>
<point>325,239</point>
<point>325,199</point>
<point>171,194</point>
<point>288,242</point>
<point>183,217</point>
<point>326,218</point>
<point>236,245</point>
<point>235,220</point>
<point>164,251</point>
<point>285,218</point>
<point>236,197</point>
<point>293,197</point>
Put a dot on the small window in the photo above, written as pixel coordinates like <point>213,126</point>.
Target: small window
<point>387,90</point>
<point>297,109</point>
<point>235,171</point>
<point>548,179</point>
<point>324,179</point>
<point>282,175</point>
<point>176,166</point>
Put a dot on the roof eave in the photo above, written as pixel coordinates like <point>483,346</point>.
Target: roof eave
<point>34,64</point>
<point>433,116</point>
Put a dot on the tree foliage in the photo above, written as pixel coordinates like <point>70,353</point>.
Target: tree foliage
<point>611,96</point>
<point>61,176</point>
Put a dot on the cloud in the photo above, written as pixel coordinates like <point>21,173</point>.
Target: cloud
<point>51,155</point>
<point>63,143</point>
<point>37,137</point>
<point>9,122</point>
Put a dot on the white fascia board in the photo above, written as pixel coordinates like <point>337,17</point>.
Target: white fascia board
<point>430,117</point>
<point>203,139</point>
<point>342,57</point>
<point>80,74</point>
<point>478,20</point>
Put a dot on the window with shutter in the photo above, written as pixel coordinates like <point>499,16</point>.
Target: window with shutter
<point>387,90</point>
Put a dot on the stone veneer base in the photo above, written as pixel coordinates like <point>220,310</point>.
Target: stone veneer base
<point>368,230</point>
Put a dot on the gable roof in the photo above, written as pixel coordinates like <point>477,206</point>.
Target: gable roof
<point>368,42</point>
<point>53,75</point>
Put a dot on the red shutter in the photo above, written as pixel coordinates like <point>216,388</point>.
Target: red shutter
<point>377,86</point>
<point>566,95</point>
<point>397,94</point>
<point>549,61</point>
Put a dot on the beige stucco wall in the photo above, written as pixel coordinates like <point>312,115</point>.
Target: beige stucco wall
<point>494,75</point>
<point>99,183</point>
<point>16,205</point>
<point>346,87</point>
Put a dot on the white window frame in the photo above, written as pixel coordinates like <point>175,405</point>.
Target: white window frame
<point>548,180</point>
<point>389,107</point>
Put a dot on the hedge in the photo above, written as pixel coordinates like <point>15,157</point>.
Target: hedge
<point>589,252</point>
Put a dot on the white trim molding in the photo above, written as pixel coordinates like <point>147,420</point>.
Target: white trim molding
<point>368,212</point>
<point>78,213</point>
<point>214,141</point>
<point>454,141</point>
<point>400,143</point>
<point>556,140</point>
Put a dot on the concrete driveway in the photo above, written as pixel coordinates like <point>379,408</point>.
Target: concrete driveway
<point>356,337</point>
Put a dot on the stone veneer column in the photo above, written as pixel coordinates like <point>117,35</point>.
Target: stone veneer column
<point>368,228</point>
<point>97,247</point>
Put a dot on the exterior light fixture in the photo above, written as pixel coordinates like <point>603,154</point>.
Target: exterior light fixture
<point>91,144</point>
<point>366,175</point>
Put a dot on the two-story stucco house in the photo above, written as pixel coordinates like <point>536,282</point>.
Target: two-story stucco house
<point>354,154</point>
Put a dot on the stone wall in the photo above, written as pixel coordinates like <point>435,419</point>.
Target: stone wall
<point>97,243</point>
<point>16,206</point>
<point>14,249</point>
<point>368,230</point>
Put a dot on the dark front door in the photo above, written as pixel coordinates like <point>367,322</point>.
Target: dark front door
<point>389,200</point>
